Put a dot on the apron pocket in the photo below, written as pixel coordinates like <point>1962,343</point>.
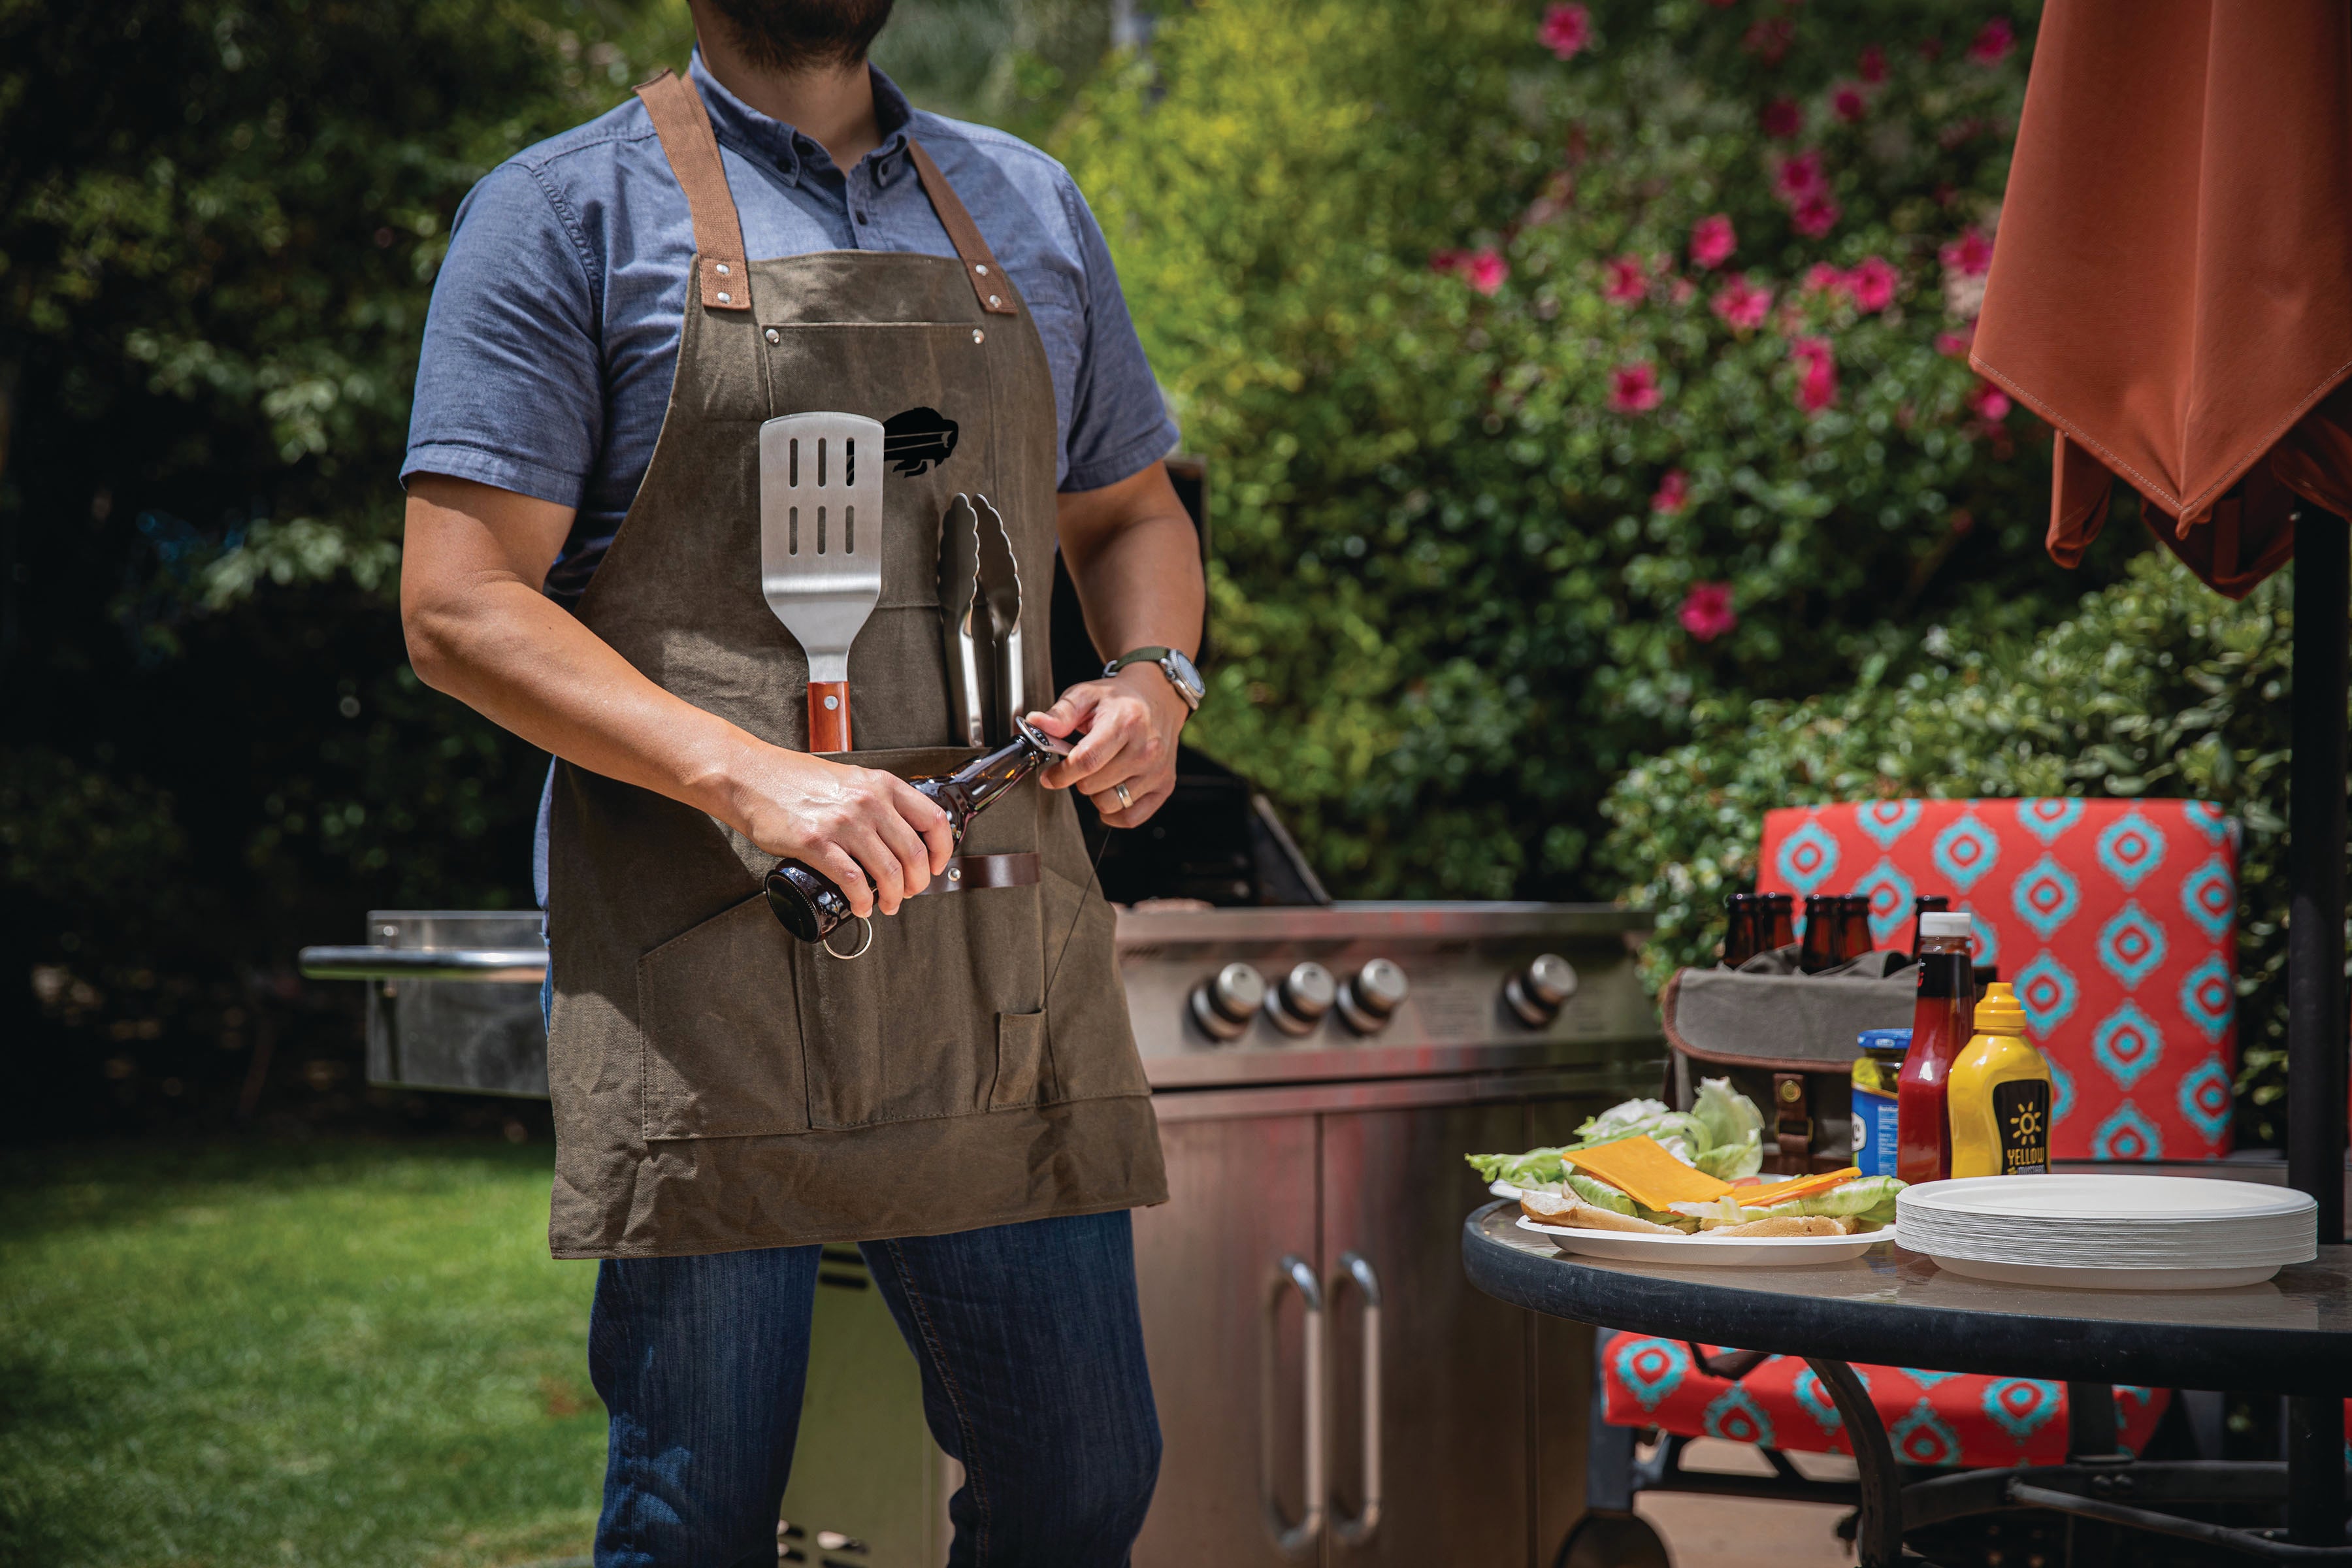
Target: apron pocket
<point>720,1029</point>
<point>1020,1054</point>
<point>1087,1033</point>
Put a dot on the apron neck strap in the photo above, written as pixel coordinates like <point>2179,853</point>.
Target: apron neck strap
<point>684,126</point>
<point>978,262</point>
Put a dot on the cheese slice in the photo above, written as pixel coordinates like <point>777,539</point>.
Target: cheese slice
<point>1797,1187</point>
<point>1643,1169</point>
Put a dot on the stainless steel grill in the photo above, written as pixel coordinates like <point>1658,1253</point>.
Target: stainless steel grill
<point>1330,1387</point>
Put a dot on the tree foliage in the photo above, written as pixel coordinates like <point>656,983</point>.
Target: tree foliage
<point>1561,368</point>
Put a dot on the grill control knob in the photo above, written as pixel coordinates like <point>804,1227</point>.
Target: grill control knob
<point>1224,1002</point>
<point>1372,996</point>
<point>1536,993</point>
<point>1299,1002</point>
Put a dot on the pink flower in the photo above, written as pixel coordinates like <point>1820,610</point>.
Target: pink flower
<point>1742,305</point>
<point>1971,256</point>
<point>1446,261</point>
<point>1706,612</point>
<point>1782,119</point>
<point>1681,290</point>
<point>1874,64</point>
<point>1712,241</point>
<point>1989,403</point>
<point>1565,30</point>
<point>1820,277</point>
<point>1797,178</point>
<point>1485,270</point>
<point>1623,280</point>
<point>1815,216</point>
<point>1674,493</point>
<point>1957,344</point>
<point>1847,102</point>
<point>1993,42</point>
<point>1872,285</point>
<point>1632,389</point>
<point>1817,384</point>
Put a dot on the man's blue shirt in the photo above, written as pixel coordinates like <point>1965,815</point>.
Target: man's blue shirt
<point>553,332</point>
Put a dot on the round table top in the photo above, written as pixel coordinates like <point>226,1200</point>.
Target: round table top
<point>1893,1308</point>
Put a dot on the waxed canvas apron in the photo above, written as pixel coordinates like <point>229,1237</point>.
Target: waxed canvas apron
<point>716,1084</point>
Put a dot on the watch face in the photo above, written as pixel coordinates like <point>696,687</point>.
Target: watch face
<point>1181,669</point>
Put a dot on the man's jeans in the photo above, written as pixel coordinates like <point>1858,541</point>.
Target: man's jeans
<point>1031,1359</point>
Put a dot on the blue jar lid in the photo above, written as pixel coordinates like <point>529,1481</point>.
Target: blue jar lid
<point>1886,1039</point>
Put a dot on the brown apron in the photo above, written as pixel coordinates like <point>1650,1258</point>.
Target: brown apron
<point>718,1085</point>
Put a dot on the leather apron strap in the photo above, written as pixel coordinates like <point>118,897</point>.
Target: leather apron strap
<point>683,123</point>
<point>684,126</point>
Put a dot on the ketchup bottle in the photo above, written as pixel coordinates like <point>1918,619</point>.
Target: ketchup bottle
<point>1941,1022</point>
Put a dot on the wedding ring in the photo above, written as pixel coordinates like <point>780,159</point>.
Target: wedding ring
<point>1120,790</point>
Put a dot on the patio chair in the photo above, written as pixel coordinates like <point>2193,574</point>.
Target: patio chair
<point>2117,922</point>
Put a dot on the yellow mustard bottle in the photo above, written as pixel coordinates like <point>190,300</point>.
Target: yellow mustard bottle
<point>1999,1099</point>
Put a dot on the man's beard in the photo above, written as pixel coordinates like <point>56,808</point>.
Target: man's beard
<point>803,35</point>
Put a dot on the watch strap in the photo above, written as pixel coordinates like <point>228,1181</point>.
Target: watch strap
<point>1134,655</point>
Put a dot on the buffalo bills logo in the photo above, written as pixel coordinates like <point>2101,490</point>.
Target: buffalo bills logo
<point>917,440</point>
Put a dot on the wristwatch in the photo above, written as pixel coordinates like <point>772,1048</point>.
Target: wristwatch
<point>1172,664</point>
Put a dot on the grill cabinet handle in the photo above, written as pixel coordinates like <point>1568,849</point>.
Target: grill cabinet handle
<point>1355,1532</point>
<point>509,965</point>
<point>1294,1539</point>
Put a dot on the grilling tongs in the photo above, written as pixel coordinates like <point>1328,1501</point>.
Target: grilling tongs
<point>980,603</point>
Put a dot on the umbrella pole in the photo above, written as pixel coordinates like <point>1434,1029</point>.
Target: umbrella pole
<point>2314,976</point>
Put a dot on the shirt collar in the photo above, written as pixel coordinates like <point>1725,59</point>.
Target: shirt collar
<point>790,149</point>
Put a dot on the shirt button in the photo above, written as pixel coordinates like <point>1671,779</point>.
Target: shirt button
<point>861,217</point>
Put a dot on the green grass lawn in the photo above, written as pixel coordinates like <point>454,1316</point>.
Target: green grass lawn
<point>220,1356</point>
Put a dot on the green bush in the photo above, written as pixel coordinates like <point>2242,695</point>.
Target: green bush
<point>2156,685</point>
<point>1512,468</point>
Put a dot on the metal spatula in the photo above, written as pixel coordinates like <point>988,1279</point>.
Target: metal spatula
<point>820,548</point>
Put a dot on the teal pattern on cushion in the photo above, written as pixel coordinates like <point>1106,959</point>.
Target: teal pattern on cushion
<point>2126,1044</point>
<point>1920,1439</point>
<point>1650,1369</point>
<point>2048,816</point>
<point>2061,1092</point>
<point>2210,998</point>
<point>2204,1097</point>
<point>1964,851</point>
<point>2126,1135</point>
<point>2020,1405</point>
<point>2046,897</point>
<point>2131,945</point>
<point>1888,820</point>
<point>2210,896</point>
<point>2046,990</point>
<point>1736,1418</point>
<point>1809,858</point>
<point>1889,892</point>
<point>2130,847</point>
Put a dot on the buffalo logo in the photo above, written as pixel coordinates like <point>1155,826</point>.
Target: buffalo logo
<point>917,439</point>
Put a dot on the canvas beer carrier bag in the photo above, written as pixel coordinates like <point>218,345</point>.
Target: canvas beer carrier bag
<point>718,1085</point>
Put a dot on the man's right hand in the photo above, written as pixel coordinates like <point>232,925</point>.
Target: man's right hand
<point>852,824</point>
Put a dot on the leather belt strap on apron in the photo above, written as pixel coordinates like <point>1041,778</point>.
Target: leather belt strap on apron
<point>717,1085</point>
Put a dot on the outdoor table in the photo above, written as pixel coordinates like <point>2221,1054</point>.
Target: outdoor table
<point>2290,1336</point>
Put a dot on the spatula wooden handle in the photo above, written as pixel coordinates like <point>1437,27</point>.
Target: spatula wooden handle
<point>828,715</point>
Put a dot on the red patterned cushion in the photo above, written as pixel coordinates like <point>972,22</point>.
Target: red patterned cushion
<point>1932,1417</point>
<point>2115,920</point>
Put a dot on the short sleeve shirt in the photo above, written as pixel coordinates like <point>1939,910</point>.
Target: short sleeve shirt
<point>552,336</point>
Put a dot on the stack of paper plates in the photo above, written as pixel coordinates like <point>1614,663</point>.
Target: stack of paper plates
<point>2110,1231</point>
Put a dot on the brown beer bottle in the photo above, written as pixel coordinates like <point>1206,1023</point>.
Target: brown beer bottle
<point>1823,949</point>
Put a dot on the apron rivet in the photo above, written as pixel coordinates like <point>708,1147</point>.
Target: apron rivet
<point>722,270</point>
<point>831,703</point>
<point>955,873</point>
<point>978,336</point>
<point>992,302</point>
<point>724,298</point>
<point>980,268</point>
<point>775,336</point>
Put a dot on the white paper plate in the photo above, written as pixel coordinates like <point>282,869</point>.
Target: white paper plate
<point>2078,1279</point>
<point>1710,1251</point>
<point>2133,1224</point>
<point>2077,1198</point>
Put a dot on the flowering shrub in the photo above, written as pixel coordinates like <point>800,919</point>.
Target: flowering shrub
<point>1560,367</point>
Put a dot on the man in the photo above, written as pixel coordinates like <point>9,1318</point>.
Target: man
<point>621,309</point>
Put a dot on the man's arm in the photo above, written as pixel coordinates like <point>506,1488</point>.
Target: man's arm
<point>480,629</point>
<point>1136,563</point>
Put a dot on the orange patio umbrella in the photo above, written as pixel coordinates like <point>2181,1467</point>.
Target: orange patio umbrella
<point>2171,289</point>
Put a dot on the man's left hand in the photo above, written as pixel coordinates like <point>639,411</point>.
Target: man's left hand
<point>1132,722</point>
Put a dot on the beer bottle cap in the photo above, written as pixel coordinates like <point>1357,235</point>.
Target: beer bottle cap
<point>1935,922</point>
